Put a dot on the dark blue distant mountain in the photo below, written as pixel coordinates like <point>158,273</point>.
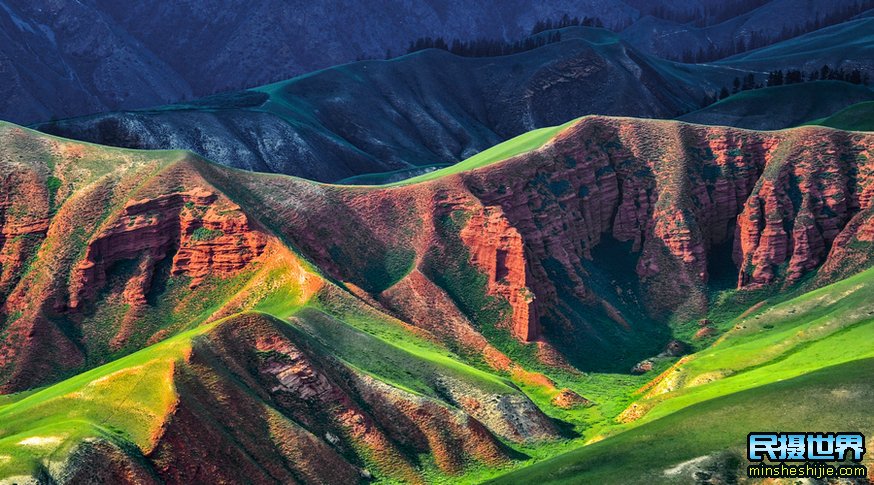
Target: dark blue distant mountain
<point>66,58</point>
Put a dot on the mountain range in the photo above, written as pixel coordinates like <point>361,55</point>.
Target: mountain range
<point>419,309</point>
<point>232,253</point>
<point>66,59</point>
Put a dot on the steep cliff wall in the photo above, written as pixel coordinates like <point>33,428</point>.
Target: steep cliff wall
<point>204,235</point>
<point>551,230</point>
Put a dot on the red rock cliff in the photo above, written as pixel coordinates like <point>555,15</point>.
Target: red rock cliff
<point>210,236</point>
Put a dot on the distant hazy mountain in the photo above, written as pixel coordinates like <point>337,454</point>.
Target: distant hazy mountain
<point>65,58</point>
<point>774,19</point>
<point>427,108</point>
<point>61,58</point>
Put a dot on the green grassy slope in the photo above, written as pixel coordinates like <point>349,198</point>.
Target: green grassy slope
<point>655,452</point>
<point>782,348</point>
<point>123,400</point>
<point>526,142</point>
<point>858,117</point>
<point>807,356</point>
<point>128,400</point>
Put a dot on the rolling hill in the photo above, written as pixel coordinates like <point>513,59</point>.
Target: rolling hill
<point>795,362</point>
<point>848,45</point>
<point>374,121</point>
<point>159,308</point>
<point>774,108</point>
<point>857,117</point>
<point>670,39</point>
<point>425,109</point>
<point>65,59</point>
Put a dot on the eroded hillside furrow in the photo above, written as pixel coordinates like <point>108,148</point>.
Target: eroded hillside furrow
<point>595,241</point>
<point>86,273</point>
<point>674,192</point>
<point>671,191</point>
<point>346,421</point>
<point>24,221</point>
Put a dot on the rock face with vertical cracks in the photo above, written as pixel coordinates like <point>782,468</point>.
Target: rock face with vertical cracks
<point>203,234</point>
<point>553,229</point>
<point>807,209</point>
<point>674,191</point>
<point>497,249</point>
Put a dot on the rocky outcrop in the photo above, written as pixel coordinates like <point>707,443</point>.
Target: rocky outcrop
<point>792,221</point>
<point>19,241</point>
<point>204,234</point>
<point>672,202</point>
<point>568,399</point>
<point>612,216</point>
<point>342,413</point>
<point>453,437</point>
<point>24,221</point>
<point>511,416</point>
<point>102,461</point>
<point>497,249</point>
<point>673,191</point>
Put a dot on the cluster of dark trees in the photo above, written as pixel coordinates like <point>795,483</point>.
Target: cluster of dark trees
<point>565,21</point>
<point>791,76</point>
<point>483,47</point>
<point>494,47</point>
<point>758,39</point>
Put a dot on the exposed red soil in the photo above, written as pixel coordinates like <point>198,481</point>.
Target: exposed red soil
<point>497,249</point>
<point>533,225</point>
<point>568,399</point>
<point>789,202</point>
<point>203,232</point>
<point>149,230</point>
<point>322,416</point>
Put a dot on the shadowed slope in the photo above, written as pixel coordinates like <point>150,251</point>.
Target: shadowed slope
<point>859,117</point>
<point>776,107</point>
<point>423,109</point>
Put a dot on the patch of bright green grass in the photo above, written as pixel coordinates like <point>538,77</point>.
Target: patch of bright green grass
<point>383,178</point>
<point>206,234</point>
<point>831,327</point>
<point>525,142</point>
<point>646,454</point>
<point>828,326</point>
<point>413,368</point>
<point>125,399</point>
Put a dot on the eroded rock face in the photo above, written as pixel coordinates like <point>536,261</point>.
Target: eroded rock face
<point>512,416</point>
<point>553,229</point>
<point>204,234</point>
<point>794,219</point>
<point>102,461</point>
<point>568,399</point>
<point>453,437</point>
<point>674,191</point>
<point>24,221</point>
<point>497,249</point>
<point>345,411</point>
